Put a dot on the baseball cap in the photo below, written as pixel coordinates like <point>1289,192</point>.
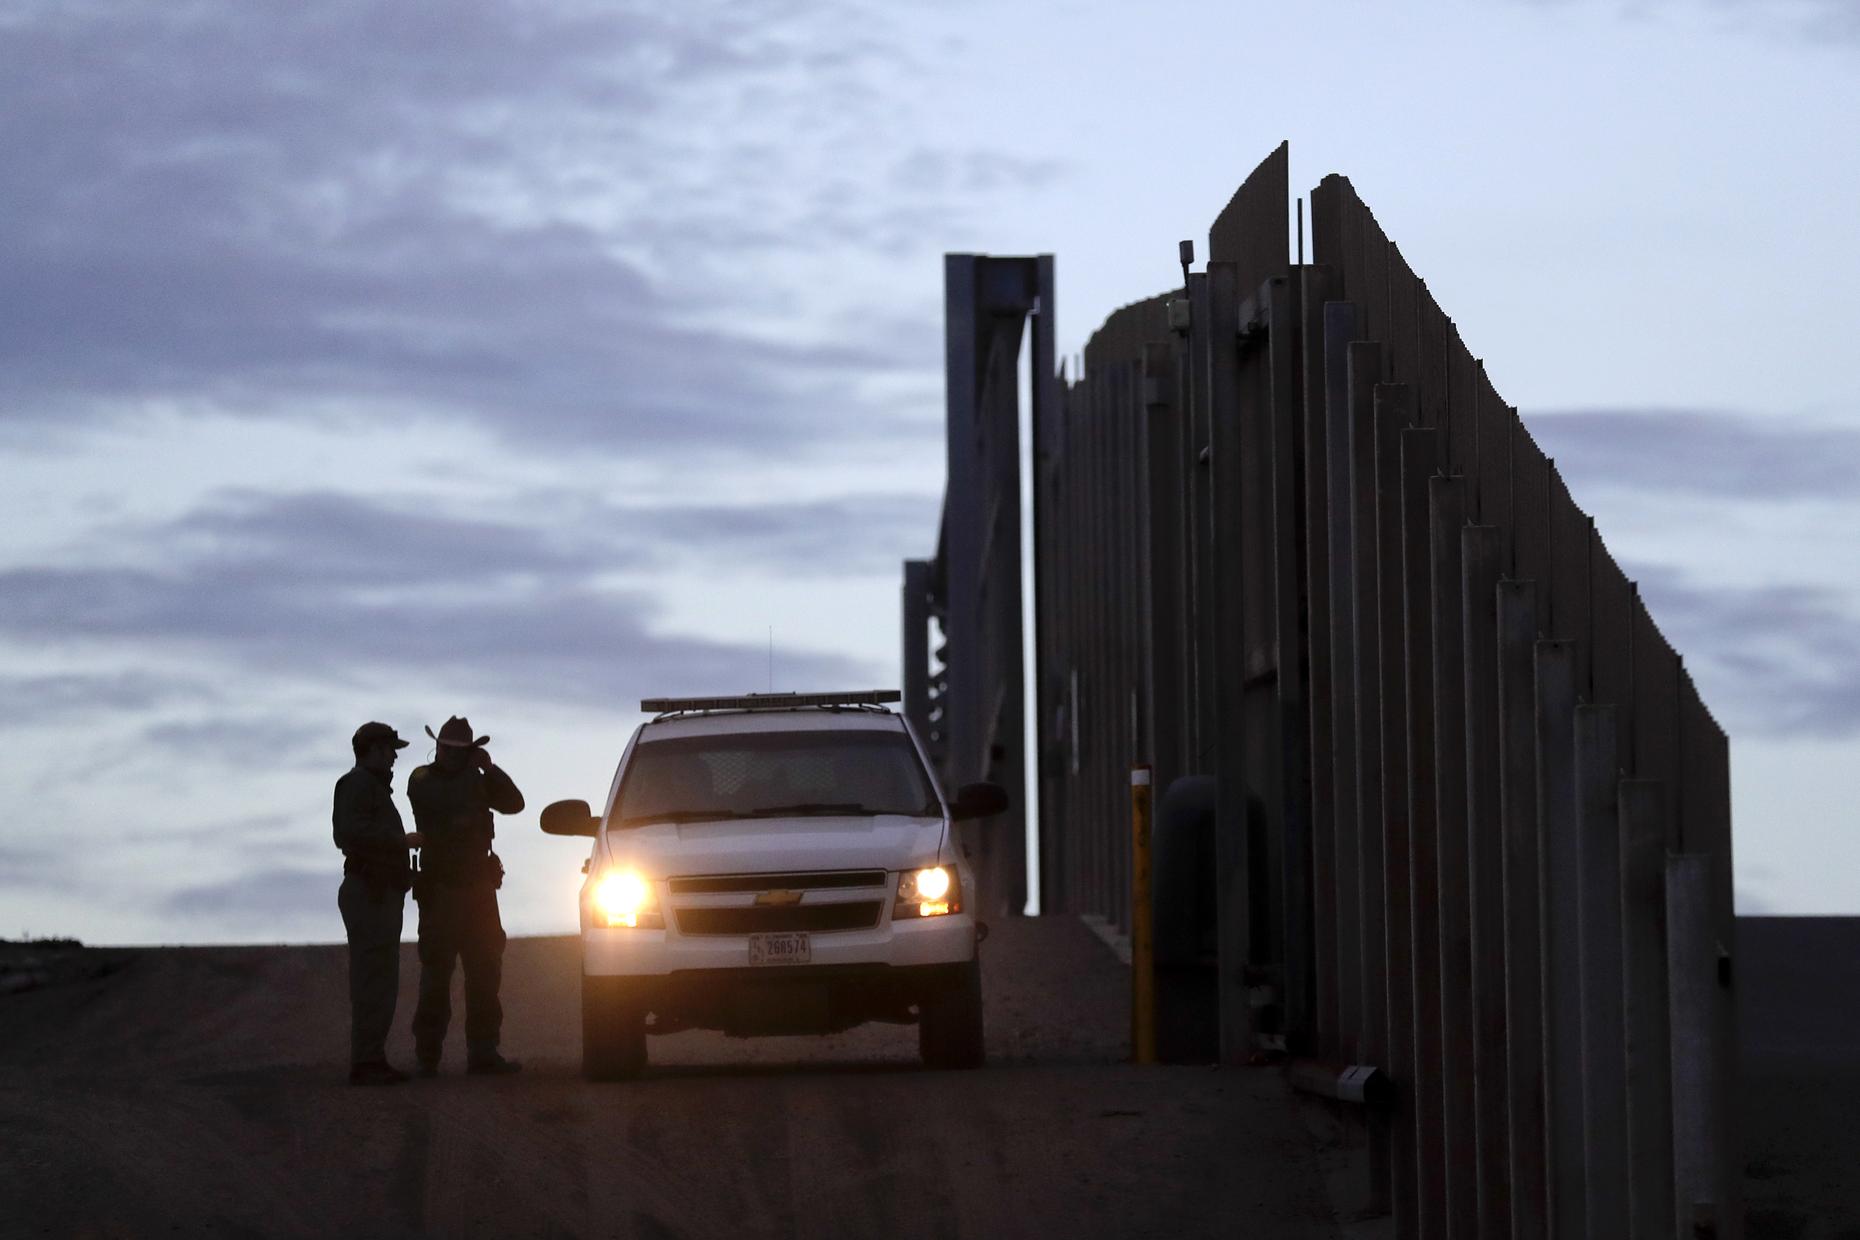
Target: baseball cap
<point>374,733</point>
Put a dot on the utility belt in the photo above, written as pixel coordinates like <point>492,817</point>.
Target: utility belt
<point>381,875</point>
<point>472,870</point>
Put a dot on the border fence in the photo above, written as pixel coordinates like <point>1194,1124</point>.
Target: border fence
<point>969,709</point>
<point>1449,803</point>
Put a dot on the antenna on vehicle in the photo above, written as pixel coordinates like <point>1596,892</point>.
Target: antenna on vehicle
<point>771,658</point>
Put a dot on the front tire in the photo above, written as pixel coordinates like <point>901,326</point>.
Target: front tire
<point>949,1023</point>
<point>613,1031</point>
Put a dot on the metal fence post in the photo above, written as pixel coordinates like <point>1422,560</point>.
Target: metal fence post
<point>1339,332</point>
<point>1372,1006</point>
<point>1291,598</point>
<point>1226,668</point>
<point>1604,1044</point>
<point>1524,1011</point>
<point>1562,975</point>
<point>1648,1037</point>
<point>1163,585</point>
<point>1319,510</point>
<point>1413,862</point>
<point>1483,551</point>
<point>1452,1012</point>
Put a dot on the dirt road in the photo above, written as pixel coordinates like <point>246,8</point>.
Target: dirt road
<point>202,1090</point>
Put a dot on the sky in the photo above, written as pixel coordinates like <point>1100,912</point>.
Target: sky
<point>520,360</point>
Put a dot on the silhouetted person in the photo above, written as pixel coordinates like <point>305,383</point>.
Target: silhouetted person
<point>453,797</point>
<point>375,878</point>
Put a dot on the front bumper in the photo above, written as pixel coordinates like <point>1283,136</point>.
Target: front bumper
<point>623,952</point>
<point>789,999</point>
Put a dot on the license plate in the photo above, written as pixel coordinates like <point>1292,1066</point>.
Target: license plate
<point>780,949</point>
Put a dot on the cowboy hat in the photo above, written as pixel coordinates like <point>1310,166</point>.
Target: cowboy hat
<point>457,731</point>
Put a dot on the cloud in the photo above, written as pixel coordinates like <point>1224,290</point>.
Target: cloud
<point>323,587</point>
<point>531,217</point>
<point>543,640</point>
<point>860,534</point>
<point>337,538</point>
<point>1782,660</point>
<point>536,335</point>
<point>29,869</point>
<point>240,742</point>
<point>248,830</point>
<point>1718,455</point>
<point>968,173</point>
<point>1818,21</point>
<point>33,701</point>
<point>1832,21</point>
<point>280,896</point>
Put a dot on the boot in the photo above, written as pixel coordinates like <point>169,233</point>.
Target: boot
<point>377,1073</point>
<point>492,1064</point>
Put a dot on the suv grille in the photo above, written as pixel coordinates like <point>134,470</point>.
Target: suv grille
<point>778,882</point>
<point>858,915</point>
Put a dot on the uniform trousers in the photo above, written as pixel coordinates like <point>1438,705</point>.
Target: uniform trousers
<point>459,924</point>
<point>373,921</point>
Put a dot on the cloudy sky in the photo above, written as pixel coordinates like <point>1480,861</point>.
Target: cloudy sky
<point>521,359</point>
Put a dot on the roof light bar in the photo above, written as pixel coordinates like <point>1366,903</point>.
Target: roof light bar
<point>770,701</point>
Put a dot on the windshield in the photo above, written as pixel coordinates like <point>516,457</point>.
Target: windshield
<point>774,774</point>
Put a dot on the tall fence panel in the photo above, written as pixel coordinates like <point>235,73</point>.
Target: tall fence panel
<point>970,709</point>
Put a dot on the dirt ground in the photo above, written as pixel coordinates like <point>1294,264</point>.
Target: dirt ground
<point>202,1091</point>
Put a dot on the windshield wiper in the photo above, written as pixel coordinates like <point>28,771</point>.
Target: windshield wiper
<point>849,808</point>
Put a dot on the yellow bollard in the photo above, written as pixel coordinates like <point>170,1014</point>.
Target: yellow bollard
<point>1142,942</point>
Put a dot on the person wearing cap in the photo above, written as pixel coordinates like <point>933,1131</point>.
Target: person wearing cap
<point>375,879</point>
<point>453,798</point>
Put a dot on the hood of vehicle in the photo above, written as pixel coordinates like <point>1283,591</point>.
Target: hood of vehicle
<point>774,845</point>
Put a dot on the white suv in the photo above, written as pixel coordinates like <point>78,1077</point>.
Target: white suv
<point>776,864</point>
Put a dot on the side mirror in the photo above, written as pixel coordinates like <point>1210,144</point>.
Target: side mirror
<point>569,818</point>
<point>979,801</point>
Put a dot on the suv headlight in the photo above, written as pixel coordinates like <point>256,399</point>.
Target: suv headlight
<point>625,898</point>
<point>928,893</point>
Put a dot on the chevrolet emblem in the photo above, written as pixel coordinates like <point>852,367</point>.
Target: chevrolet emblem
<point>779,898</point>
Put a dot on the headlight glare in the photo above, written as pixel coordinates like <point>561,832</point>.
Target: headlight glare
<point>929,892</point>
<point>625,898</point>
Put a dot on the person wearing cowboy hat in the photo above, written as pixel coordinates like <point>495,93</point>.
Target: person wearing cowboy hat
<point>375,878</point>
<point>453,797</point>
